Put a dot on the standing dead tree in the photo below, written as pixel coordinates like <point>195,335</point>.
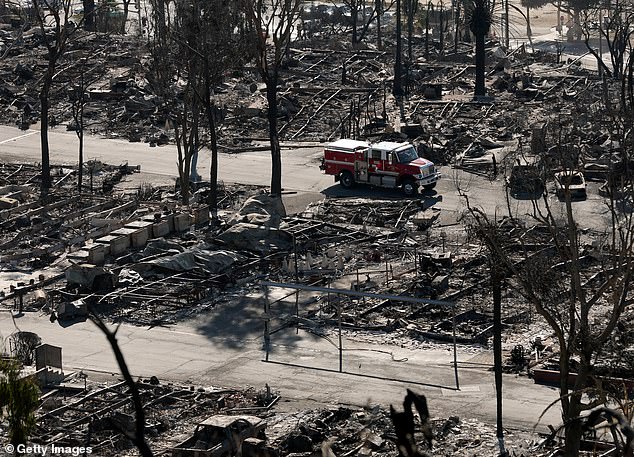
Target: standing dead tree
<point>193,43</point>
<point>479,17</point>
<point>185,105</point>
<point>569,298</point>
<point>496,242</point>
<point>186,132</point>
<point>580,296</point>
<point>80,77</point>
<point>271,25</point>
<point>411,9</point>
<point>172,76</point>
<point>54,20</point>
<point>207,35</point>
<point>615,28</point>
<point>360,21</point>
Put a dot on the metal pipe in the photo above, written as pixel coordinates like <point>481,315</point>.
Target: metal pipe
<point>455,350</point>
<point>267,317</point>
<point>353,293</point>
<point>398,89</point>
<point>340,340</point>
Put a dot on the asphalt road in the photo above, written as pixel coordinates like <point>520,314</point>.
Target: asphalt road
<point>302,368</point>
<point>209,351</point>
<point>300,172</point>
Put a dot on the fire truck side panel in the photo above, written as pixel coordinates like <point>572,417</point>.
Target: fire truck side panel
<point>338,160</point>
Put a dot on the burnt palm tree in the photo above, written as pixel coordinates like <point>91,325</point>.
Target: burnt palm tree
<point>479,16</point>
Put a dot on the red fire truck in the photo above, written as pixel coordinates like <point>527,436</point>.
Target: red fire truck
<point>384,164</point>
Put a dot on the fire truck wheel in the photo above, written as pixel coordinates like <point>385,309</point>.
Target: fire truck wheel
<point>430,186</point>
<point>346,179</point>
<point>409,188</point>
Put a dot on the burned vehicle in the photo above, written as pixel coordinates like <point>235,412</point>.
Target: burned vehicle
<point>570,183</point>
<point>526,177</point>
<point>220,436</point>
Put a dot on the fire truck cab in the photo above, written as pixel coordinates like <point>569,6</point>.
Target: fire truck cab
<point>384,164</point>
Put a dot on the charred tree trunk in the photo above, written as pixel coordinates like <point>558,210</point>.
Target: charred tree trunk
<point>126,10</point>
<point>398,67</point>
<point>573,424</point>
<point>354,11</point>
<point>276,153</point>
<point>44,108</point>
<point>480,57</point>
<point>379,13</point>
<point>441,28</point>
<point>427,30</point>
<point>456,28</point>
<point>186,135</point>
<point>410,29</point>
<point>80,134</point>
<point>496,285</point>
<point>630,82</point>
<point>89,15</point>
<point>213,173</point>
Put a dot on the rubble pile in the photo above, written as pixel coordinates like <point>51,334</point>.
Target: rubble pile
<point>138,261</point>
<point>35,233</point>
<point>97,416</point>
<point>369,431</point>
<point>326,93</point>
<point>80,413</point>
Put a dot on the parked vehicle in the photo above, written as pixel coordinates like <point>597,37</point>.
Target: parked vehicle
<point>386,164</point>
<point>526,177</point>
<point>570,182</point>
<point>220,436</point>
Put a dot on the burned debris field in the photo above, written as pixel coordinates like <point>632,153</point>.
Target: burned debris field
<point>286,228</point>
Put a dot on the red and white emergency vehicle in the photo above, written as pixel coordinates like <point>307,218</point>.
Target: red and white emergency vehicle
<point>384,164</point>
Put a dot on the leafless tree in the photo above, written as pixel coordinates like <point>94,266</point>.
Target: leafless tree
<point>170,75</point>
<point>615,27</point>
<point>271,25</point>
<point>411,10</point>
<point>571,297</point>
<point>126,12</point>
<point>358,11</point>
<point>209,35</point>
<point>495,240</point>
<point>83,74</point>
<point>54,20</point>
<point>186,131</point>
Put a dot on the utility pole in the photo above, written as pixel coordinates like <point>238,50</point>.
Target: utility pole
<point>496,286</point>
<point>398,67</point>
<point>600,22</point>
<point>379,13</point>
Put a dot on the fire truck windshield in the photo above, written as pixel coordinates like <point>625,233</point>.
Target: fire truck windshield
<point>407,155</point>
